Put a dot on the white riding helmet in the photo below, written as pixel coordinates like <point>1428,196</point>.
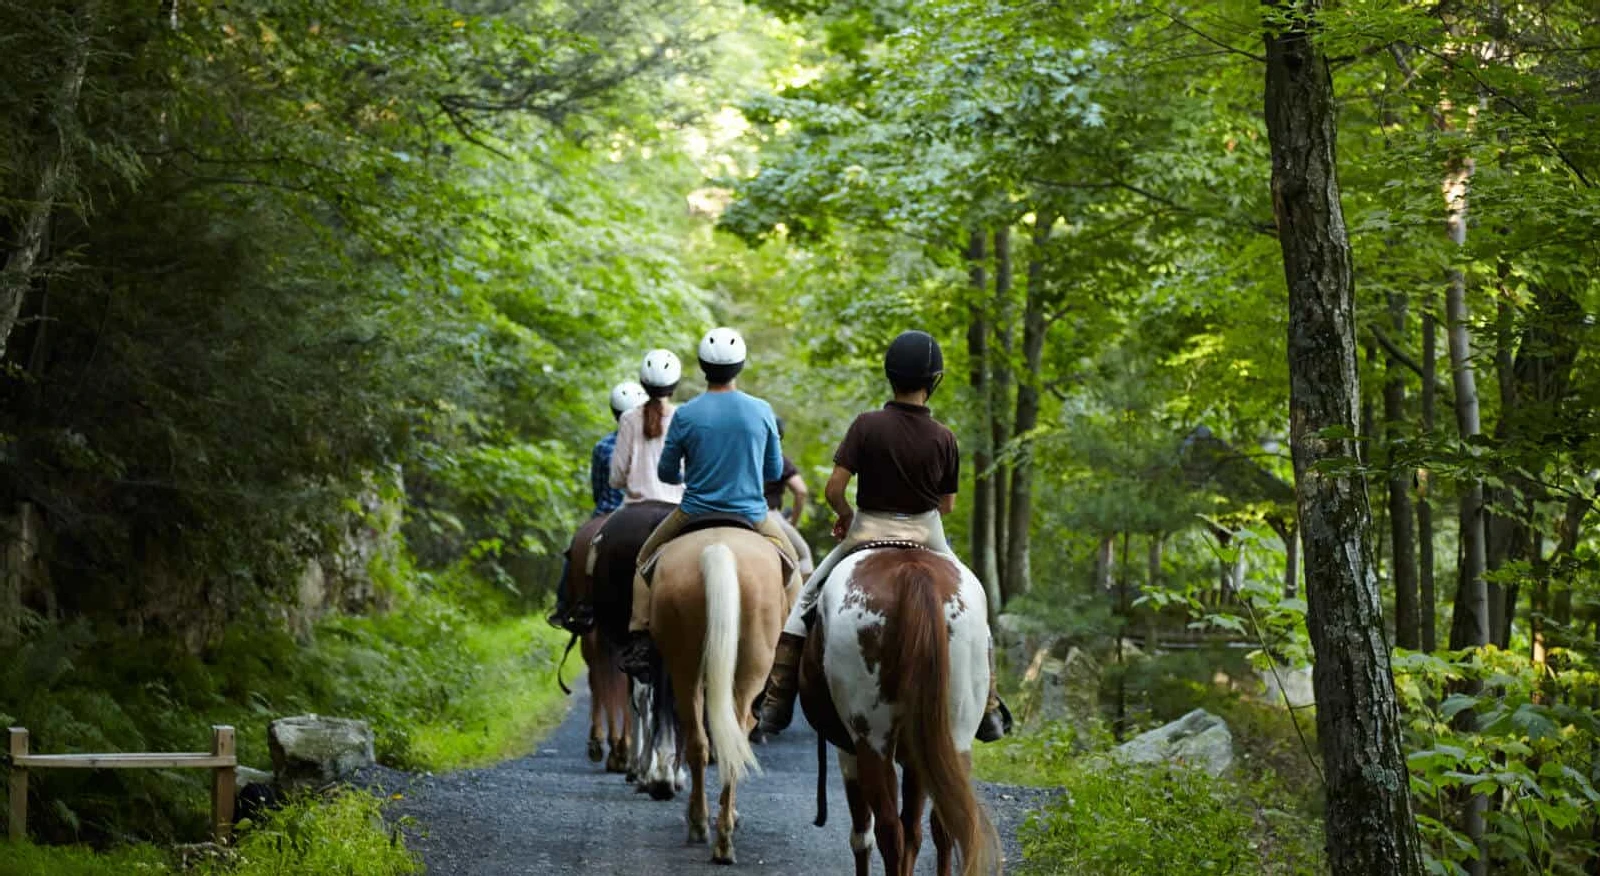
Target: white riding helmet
<point>626,396</point>
<point>722,346</point>
<point>660,372</point>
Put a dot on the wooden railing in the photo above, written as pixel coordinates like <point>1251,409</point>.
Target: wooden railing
<point>222,760</point>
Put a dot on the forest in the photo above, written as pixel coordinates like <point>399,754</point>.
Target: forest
<point>1268,331</point>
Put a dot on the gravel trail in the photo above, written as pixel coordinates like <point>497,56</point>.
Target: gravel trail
<point>555,812</point>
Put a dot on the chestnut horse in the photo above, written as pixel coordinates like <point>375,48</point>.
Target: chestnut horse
<point>608,687</point>
<point>717,605</point>
<point>897,671</point>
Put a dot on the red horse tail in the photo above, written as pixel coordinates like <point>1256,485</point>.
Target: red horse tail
<point>919,661</point>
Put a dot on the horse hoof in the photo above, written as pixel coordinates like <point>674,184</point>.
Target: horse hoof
<point>641,788</point>
<point>597,751</point>
<point>615,765</point>
<point>661,791</point>
<point>723,855</point>
<point>631,776</point>
<point>757,737</point>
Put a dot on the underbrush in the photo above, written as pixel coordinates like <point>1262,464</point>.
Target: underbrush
<point>443,687</point>
<point>1263,816</point>
<point>345,835</point>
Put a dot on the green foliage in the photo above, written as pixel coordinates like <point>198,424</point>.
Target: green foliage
<point>346,835</point>
<point>1130,821</point>
<point>442,688</point>
<point>1531,753</point>
<point>342,836</point>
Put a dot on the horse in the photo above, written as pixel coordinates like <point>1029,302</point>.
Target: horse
<point>897,671</point>
<point>608,687</point>
<point>651,761</point>
<point>717,606</point>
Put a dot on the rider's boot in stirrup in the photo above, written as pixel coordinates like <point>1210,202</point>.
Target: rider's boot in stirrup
<point>634,659</point>
<point>777,707</point>
<point>996,717</point>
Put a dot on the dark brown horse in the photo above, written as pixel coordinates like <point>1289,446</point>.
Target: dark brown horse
<point>652,758</point>
<point>897,671</point>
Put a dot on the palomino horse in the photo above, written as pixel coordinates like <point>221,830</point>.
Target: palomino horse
<point>652,758</point>
<point>898,671</point>
<point>717,606</point>
<point>608,687</point>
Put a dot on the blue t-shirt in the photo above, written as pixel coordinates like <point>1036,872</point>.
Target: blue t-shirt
<point>727,445</point>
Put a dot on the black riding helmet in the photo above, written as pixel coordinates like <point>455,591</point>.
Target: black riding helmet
<point>914,361</point>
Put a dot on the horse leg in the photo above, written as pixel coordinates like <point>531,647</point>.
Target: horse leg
<point>880,790</point>
<point>727,822</point>
<point>691,704</point>
<point>912,800</point>
<point>639,701</point>
<point>617,709</point>
<point>860,814</point>
<point>943,846</point>
<point>597,698</point>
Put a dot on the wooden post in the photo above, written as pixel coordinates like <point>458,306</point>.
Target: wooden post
<point>222,781</point>
<point>19,785</point>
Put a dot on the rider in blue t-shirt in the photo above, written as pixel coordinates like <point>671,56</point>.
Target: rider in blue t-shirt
<point>624,396</point>
<point>723,447</point>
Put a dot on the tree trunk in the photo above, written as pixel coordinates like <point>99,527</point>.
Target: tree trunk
<point>1000,395</point>
<point>1019,520</point>
<point>1470,624</point>
<point>1402,522</point>
<point>983,493</point>
<point>1291,562</point>
<point>1368,823</point>
<point>1427,620</point>
<point>55,164</point>
<point>1104,563</point>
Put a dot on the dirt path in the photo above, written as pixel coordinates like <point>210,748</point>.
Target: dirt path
<point>555,812</point>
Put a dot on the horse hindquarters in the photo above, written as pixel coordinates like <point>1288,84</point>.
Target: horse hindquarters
<point>921,659</point>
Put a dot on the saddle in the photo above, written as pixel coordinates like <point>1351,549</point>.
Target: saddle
<point>712,520</point>
<point>903,544</point>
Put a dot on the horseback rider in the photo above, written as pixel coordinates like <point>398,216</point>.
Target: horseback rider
<point>642,431</point>
<point>624,397</point>
<point>722,446</point>
<point>909,465</point>
<point>789,480</point>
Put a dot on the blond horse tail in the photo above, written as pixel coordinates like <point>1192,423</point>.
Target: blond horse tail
<point>922,667</point>
<point>719,663</point>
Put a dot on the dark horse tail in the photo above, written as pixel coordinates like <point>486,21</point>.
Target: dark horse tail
<point>920,664</point>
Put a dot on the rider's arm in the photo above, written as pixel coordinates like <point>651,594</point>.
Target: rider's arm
<point>947,503</point>
<point>599,474</point>
<point>801,494</point>
<point>670,469</point>
<point>834,492</point>
<point>772,453</point>
<point>622,454</point>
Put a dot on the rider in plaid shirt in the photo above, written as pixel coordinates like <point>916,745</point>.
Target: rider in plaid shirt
<point>606,497</point>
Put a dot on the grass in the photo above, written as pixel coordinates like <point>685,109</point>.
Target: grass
<point>511,704</point>
<point>1113,820</point>
<point>342,836</point>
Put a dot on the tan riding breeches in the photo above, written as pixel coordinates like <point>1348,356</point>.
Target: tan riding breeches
<point>668,530</point>
<point>802,551</point>
<point>925,529</point>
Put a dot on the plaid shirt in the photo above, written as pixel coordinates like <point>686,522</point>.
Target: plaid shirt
<point>606,497</point>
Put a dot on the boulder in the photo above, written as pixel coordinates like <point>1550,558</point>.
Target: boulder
<point>1199,739</point>
<point>1288,683</point>
<point>1065,689</point>
<point>311,750</point>
<point>243,775</point>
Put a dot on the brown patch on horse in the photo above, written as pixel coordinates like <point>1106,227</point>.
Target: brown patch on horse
<point>875,587</point>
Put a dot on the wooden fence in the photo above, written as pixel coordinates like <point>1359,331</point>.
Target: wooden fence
<point>222,760</point>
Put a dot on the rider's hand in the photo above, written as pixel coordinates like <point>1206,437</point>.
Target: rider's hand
<point>842,526</point>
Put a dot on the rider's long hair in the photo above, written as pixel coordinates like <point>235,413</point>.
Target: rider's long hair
<point>919,662</point>
<point>655,410</point>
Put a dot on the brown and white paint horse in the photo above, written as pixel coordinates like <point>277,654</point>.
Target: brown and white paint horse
<point>717,606</point>
<point>608,687</point>
<point>897,671</point>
